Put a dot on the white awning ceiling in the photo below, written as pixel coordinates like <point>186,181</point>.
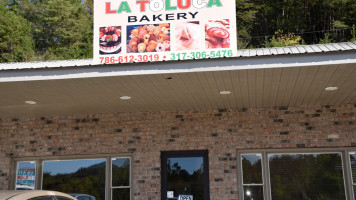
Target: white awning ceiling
<point>263,81</point>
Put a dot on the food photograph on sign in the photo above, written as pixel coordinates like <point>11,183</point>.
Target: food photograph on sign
<point>187,36</point>
<point>163,30</point>
<point>148,38</point>
<point>217,34</point>
<point>110,40</point>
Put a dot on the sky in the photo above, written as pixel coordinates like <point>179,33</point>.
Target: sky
<point>68,166</point>
<point>190,164</point>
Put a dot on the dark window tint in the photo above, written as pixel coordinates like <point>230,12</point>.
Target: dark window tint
<point>76,176</point>
<point>253,192</point>
<point>252,168</point>
<point>120,172</point>
<point>306,176</point>
<point>121,194</point>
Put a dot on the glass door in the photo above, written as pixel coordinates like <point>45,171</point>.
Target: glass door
<point>185,175</point>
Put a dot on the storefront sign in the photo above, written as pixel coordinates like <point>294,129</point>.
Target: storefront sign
<point>25,177</point>
<point>157,30</point>
<point>185,197</point>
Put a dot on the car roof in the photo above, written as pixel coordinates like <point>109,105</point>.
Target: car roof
<point>26,194</point>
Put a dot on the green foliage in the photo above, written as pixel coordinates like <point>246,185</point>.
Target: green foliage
<point>60,29</point>
<point>308,19</point>
<point>16,43</point>
<point>281,40</point>
<point>353,33</point>
<point>326,39</point>
<point>245,19</point>
<point>339,24</point>
<point>302,177</point>
<point>86,181</point>
<point>66,28</point>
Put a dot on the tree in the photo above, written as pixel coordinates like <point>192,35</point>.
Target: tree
<point>61,29</point>
<point>65,29</point>
<point>16,43</point>
<point>245,19</point>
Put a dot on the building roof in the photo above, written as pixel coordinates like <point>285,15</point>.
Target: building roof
<point>250,81</point>
<point>317,48</point>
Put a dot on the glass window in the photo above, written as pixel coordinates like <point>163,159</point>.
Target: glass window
<point>252,176</point>
<point>75,176</point>
<point>253,192</point>
<point>306,176</point>
<point>267,175</point>
<point>120,180</point>
<point>185,173</point>
<point>121,194</point>
<point>26,175</point>
<point>353,170</point>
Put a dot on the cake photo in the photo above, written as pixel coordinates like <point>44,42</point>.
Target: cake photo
<point>110,40</point>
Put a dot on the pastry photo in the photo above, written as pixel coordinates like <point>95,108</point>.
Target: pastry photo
<point>187,36</point>
<point>217,34</point>
<point>148,38</point>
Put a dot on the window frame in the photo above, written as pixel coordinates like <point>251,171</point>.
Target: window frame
<point>345,161</point>
<point>352,182</point>
<point>40,161</point>
<point>242,175</point>
<point>111,188</point>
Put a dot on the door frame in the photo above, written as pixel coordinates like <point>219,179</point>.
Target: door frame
<point>182,154</point>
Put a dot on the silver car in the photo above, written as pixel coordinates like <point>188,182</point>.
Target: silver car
<point>33,195</point>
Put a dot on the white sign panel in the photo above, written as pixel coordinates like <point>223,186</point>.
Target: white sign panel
<point>25,179</point>
<point>185,197</point>
<point>157,30</point>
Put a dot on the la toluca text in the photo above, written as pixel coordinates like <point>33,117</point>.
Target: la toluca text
<point>160,6</point>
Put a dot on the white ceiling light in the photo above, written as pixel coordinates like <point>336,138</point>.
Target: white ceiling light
<point>125,97</point>
<point>225,92</point>
<point>31,102</point>
<point>331,88</point>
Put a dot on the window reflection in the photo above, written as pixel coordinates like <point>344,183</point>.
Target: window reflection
<point>252,168</point>
<point>120,178</point>
<point>76,176</point>
<point>121,172</point>
<point>186,176</point>
<point>306,176</point>
<point>253,192</point>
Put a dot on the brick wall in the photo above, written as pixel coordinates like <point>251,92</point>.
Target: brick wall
<point>145,135</point>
